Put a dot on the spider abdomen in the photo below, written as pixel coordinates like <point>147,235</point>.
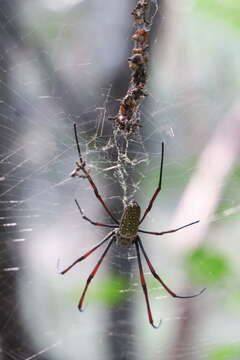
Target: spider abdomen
<point>129,223</point>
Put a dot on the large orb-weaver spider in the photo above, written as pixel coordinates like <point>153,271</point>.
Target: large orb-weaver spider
<point>125,234</point>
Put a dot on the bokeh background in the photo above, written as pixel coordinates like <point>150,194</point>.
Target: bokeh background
<point>66,61</point>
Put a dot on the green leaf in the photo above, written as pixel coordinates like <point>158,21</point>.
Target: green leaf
<point>110,291</point>
<point>207,265</point>
<point>236,173</point>
<point>226,352</point>
<point>226,10</point>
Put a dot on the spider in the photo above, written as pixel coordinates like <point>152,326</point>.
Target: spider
<point>124,234</point>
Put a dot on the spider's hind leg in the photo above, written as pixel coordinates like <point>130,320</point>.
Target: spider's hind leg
<point>92,275</point>
<point>151,268</point>
<point>144,286</point>
<point>89,252</point>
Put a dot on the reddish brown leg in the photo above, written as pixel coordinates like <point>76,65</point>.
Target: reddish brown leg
<point>157,190</point>
<point>168,231</point>
<point>93,273</point>
<point>93,222</point>
<point>144,287</point>
<point>81,166</point>
<point>88,253</point>
<point>161,281</point>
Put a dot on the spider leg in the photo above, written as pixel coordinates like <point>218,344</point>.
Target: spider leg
<point>77,143</point>
<point>93,273</point>
<point>81,166</point>
<point>93,222</point>
<point>161,281</point>
<point>157,190</point>
<point>144,287</point>
<point>89,252</point>
<point>168,231</point>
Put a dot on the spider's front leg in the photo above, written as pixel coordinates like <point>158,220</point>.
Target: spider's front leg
<point>158,189</point>
<point>91,221</point>
<point>77,169</point>
<point>81,165</point>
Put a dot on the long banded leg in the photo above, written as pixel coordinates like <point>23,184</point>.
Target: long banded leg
<point>168,231</point>
<point>81,166</point>
<point>93,273</point>
<point>161,281</point>
<point>89,252</point>
<point>157,190</point>
<point>144,287</point>
<point>93,222</point>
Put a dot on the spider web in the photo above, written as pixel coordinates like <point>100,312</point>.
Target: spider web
<point>64,62</point>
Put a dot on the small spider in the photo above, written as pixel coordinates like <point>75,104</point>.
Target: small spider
<point>124,234</point>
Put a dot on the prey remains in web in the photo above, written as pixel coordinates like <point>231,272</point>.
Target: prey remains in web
<point>124,234</point>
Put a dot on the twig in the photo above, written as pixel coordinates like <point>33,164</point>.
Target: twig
<point>127,119</point>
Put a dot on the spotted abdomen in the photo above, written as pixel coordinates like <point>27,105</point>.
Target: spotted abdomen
<point>129,223</point>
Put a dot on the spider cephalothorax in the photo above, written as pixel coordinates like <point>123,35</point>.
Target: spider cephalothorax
<point>125,233</point>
